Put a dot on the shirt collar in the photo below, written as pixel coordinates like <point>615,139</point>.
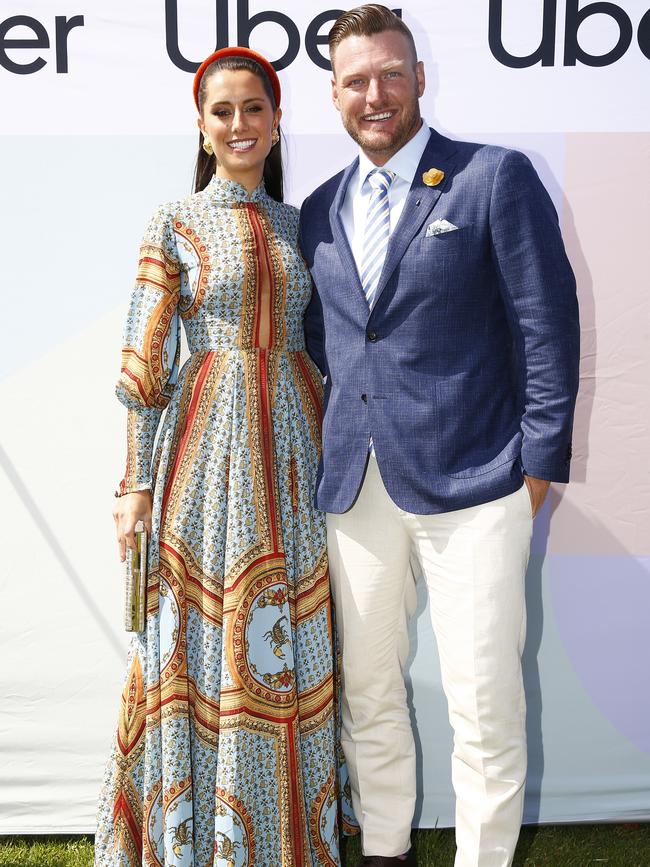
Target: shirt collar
<point>404,163</point>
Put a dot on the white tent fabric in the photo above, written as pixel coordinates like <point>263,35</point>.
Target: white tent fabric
<point>100,134</point>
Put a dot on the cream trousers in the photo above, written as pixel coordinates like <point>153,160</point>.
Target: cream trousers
<point>474,561</point>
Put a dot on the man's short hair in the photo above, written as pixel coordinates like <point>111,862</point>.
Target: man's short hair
<point>367,20</point>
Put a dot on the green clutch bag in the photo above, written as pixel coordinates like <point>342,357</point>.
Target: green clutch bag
<point>135,582</point>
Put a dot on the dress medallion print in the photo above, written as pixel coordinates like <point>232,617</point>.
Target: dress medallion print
<point>226,751</point>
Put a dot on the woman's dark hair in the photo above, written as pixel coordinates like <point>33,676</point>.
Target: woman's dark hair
<point>206,163</point>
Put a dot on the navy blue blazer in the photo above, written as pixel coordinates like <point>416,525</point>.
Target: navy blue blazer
<point>465,373</point>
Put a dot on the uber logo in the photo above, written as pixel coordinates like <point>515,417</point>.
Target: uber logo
<point>573,51</point>
<point>315,35</point>
<point>25,64</point>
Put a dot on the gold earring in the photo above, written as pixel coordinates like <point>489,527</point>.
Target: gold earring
<point>275,137</point>
<point>207,146</point>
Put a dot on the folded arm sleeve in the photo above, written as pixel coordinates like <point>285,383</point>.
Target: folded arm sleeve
<point>539,291</point>
<point>151,348</point>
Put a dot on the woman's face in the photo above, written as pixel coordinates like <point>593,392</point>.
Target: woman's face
<point>238,118</point>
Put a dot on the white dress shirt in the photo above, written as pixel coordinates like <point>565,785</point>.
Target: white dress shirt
<point>357,196</point>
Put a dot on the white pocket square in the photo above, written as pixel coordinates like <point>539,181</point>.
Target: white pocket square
<point>439,227</point>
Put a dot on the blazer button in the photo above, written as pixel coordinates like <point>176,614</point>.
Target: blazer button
<point>372,336</point>
<point>364,398</point>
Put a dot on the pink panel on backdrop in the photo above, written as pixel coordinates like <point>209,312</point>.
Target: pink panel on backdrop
<point>606,226</point>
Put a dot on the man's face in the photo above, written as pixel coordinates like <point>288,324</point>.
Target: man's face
<point>376,87</point>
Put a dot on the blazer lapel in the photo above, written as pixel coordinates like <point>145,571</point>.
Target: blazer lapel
<point>341,243</point>
<point>420,201</point>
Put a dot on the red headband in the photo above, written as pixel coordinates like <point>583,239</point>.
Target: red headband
<point>238,52</point>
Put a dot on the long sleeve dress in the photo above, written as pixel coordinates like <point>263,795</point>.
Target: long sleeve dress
<point>226,750</point>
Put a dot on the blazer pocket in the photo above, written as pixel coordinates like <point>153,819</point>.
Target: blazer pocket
<point>479,428</point>
<point>448,245</point>
<point>507,456</point>
<point>442,236</point>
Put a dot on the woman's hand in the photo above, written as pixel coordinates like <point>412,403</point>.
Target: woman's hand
<point>129,509</point>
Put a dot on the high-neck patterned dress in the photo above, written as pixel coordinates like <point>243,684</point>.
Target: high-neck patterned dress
<point>226,749</point>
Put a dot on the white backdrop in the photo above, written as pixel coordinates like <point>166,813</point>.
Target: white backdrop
<point>98,128</point>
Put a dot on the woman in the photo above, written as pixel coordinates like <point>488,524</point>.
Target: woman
<point>226,746</point>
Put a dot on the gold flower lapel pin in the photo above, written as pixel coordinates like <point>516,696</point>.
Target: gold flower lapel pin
<point>433,177</point>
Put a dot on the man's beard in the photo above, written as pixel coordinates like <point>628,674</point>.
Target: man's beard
<point>409,125</point>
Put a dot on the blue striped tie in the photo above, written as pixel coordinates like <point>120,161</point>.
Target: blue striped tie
<point>375,239</point>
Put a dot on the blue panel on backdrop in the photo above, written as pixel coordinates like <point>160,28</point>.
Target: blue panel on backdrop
<point>75,224</point>
<point>602,608</point>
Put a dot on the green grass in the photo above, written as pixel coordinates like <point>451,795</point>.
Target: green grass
<point>46,851</point>
<point>544,846</point>
<point>548,846</point>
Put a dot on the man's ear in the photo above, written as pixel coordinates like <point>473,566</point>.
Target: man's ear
<point>335,94</point>
<point>419,74</point>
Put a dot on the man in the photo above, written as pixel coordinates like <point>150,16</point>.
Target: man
<point>445,320</point>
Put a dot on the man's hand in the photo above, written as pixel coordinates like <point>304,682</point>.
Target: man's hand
<point>537,490</point>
